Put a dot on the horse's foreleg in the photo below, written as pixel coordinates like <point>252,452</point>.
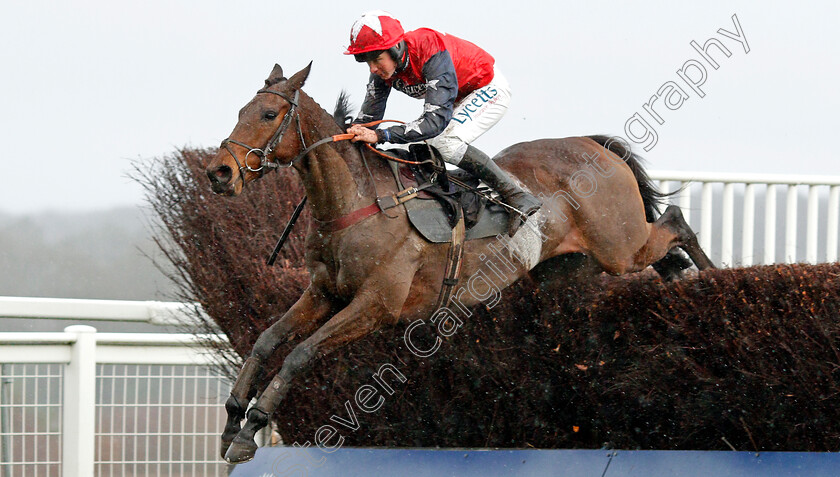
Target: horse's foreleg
<point>302,318</point>
<point>237,402</point>
<point>365,314</point>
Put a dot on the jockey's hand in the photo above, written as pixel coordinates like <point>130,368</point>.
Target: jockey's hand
<point>363,134</point>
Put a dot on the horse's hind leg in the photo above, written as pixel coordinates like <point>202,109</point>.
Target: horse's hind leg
<point>671,229</point>
<point>686,239</point>
<point>670,266</point>
<point>302,318</point>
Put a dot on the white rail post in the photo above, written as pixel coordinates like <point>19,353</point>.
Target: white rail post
<point>833,224</point>
<point>813,224</point>
<point>685,201</point>
<point>790,224</point>
<point>728,228</point>
<point>748,234</point>
<point>770,225</point>
<point>79,407</point>
<point>706,218</point>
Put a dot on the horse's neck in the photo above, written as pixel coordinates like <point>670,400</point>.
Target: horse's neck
<point>333,175</point>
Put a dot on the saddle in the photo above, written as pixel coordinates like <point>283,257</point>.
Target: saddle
<point>435,207</point>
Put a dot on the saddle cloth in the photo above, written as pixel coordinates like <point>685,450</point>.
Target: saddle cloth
<point>429,216</point>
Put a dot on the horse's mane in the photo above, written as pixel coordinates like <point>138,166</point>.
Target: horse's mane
<point>342,110</point>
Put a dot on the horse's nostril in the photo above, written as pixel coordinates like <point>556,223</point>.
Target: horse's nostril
<point>220,175</point>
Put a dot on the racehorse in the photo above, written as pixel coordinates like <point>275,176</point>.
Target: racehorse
<point>375,270</point>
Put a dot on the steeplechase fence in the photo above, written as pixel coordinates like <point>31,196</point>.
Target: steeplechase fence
<point>81,403</point>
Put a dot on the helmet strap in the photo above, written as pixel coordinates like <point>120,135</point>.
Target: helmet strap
<point>399,53</point>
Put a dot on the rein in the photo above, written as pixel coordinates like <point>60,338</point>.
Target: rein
<point>265,152</point>
<point>388,156</point>
<point>397,159</point>
<point>286,232</point>
<point>291,114</point>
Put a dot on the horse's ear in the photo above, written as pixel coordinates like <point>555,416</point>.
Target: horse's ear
<point>275,76</point>
<point>297,79</point>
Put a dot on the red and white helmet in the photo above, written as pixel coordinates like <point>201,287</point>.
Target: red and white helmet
<point>375,30</point>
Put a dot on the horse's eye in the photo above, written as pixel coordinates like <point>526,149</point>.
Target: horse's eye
<point>270,115</point>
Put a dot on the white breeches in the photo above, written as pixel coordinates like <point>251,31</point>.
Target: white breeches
<point>472,117</point>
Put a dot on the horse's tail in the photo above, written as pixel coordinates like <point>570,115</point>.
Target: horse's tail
<point>674,262</point>
<point>652,197</point>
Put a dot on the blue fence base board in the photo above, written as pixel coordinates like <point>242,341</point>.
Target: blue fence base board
<point>344,462</point>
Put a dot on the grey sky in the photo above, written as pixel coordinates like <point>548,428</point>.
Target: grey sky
<point>88,86</point>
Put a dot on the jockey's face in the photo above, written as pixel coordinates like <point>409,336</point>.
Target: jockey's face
<point>383,66</point>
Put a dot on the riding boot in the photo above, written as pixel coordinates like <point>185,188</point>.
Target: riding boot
<point>481,166</point>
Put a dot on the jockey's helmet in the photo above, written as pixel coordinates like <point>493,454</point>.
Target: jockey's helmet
<point>374,32</point>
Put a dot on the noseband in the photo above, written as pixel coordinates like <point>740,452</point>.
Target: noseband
<point>265,152</point>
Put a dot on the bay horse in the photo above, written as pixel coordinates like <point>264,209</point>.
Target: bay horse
<point>380,270</point>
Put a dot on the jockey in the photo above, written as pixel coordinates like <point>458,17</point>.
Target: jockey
<point>464,97</point>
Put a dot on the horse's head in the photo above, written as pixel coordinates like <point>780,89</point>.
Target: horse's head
<point>267,135</point>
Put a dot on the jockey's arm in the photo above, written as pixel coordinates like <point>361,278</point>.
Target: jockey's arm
<point>441,91</point>
<point>376,97</point>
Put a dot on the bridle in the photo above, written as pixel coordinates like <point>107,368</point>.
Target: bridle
<point>275,139</point>
<point>266,151</point>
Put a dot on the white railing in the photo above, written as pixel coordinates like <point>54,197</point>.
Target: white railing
<point>151,312</point>
<point>720,222</point>
<point>82,403</point>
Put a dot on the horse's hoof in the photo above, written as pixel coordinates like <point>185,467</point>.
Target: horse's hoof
<point>235,414</point>
<point>224,447</point>
<point>241,451</point>
<point>230,433</point>
<point>227,437</point>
